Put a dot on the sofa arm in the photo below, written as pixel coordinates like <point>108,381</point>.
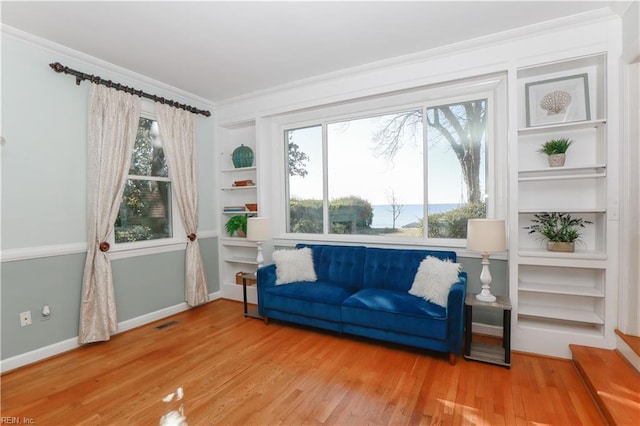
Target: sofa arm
<point>266,278</point>
<point>455,313</point>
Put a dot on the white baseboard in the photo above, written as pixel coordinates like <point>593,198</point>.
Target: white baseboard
<point>69,344</point>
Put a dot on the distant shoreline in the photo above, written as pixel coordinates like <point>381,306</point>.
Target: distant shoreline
<point>383,216</point>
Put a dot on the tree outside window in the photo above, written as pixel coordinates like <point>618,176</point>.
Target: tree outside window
<point>145,212</point>
<point>377,169</point>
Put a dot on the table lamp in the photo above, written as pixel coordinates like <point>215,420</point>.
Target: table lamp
<point>258,231</point>
<point>486,236</point>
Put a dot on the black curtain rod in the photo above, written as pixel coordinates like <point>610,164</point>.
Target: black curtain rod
<point>58,67</point>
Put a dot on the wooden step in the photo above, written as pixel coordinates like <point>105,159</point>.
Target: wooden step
<point>629,347</point>
<point>614,384</point>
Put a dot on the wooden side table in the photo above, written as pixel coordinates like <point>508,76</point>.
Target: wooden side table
<point>493,354</point>
<point>252,313</point>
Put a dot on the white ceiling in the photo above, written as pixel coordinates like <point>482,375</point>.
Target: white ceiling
<point>219,50</point>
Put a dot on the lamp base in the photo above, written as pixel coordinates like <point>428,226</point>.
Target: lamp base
<point>485,297</point>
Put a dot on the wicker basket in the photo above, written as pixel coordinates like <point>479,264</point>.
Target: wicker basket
<point>250,281</point>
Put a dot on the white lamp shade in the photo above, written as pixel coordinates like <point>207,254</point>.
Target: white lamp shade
<point>486,235</point>
<point>258,228</point>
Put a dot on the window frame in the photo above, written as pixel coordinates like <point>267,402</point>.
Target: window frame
<point>491,87</point>
<point>160,245</point>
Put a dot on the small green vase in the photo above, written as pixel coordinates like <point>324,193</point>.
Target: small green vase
<point>242,156</point>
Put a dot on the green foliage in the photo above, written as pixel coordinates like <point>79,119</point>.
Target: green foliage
<point>557,227</point>
<point>345,214</point>
<point>453,224</point>
<point>133,233</point>
<point>235,223</point>
<point>305,216</point>
<point>297,159</point>
<point>144,211</point>
<point>555,146</point>
<point>352,209</point>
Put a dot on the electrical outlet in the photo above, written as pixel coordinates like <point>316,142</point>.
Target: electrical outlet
<point>25,318</point>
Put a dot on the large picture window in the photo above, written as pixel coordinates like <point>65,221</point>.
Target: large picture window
<point>418,172</point>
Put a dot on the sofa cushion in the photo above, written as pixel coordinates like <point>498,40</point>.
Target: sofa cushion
<point>395,269</point>
<point>338,264</point>
<point>293,266</point>
<point>434,280</point>
<point>395,311</point>
<point>318,299</point>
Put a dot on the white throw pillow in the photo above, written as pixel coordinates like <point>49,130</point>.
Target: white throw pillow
<point>434,280</point>
<point>294,265</point>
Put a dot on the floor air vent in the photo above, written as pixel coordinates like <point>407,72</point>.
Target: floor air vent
<point>166,324</point>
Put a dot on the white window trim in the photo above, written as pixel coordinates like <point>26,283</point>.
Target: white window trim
<point>492,87</point>
<point>161,245</point>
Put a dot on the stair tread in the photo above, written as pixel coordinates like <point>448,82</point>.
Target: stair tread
<point>612,381</point>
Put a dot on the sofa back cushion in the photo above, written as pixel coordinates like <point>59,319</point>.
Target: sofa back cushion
<point>395,269</point>
<point>338,264</point>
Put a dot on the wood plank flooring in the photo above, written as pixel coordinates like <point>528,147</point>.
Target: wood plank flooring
<point>619,399</point>
<point>237,370</point>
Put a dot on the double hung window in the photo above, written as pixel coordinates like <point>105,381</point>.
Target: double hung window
<point>146,209</point>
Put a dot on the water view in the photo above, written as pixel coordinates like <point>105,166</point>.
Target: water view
<point>411,214</point>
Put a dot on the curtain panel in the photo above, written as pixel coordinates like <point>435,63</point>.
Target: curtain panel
<point>112,127</point>
<point>177,133</point>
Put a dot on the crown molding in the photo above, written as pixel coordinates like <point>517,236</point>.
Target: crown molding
<point>94,62</point>
<point>598,15</point>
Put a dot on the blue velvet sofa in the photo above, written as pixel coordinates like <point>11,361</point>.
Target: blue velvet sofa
<point>363,291</point>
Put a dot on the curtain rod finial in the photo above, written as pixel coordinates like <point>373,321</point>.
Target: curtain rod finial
<point>57,67</point>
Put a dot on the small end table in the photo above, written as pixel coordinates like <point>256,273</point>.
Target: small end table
<point>252,313</point>
<point>493,354</point>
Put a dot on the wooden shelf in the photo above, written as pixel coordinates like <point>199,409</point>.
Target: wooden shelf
<point>242,260</point>
<point>242,212</point>
<point>552,128</point>
<point>565,169</point>
<point>588,255</point>
<point>597,210</point>
<point>237,242</point>
<point>565,314</point>
<point>563,262</point>
<point>236,188</point>
<point>485,352</point>
<point>570,290</point>
<point>562,177</point>
<point>239,169</point>
<point>547,325</point>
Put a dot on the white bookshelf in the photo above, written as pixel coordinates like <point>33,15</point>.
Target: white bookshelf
<point>563,298</point>
<point>236,254</point>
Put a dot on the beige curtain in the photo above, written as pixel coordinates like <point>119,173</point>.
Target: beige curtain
<point>113,123</point>
<point>177,133</point>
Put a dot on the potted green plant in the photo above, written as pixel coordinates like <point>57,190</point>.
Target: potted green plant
<point>556,149</point>
<point>237,224</point>
<point>560,229</point>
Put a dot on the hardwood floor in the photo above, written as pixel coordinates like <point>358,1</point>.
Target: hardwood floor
<point>237,370</point>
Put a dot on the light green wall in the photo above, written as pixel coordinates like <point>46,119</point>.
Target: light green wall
<point>142,284</point>
<point>43,171</point>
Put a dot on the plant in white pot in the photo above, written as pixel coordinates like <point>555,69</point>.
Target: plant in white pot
<point>560,229</point>
<point>556,150</point>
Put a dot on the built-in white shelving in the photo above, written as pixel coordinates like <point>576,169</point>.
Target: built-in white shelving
<point>237,254</point>
<point>559,297</point>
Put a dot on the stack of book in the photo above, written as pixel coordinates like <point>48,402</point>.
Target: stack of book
<point>234,209</point>
<point>247,182</point>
